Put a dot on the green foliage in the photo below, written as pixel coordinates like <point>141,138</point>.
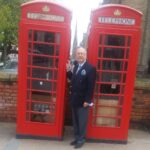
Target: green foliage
<point>9,18</point>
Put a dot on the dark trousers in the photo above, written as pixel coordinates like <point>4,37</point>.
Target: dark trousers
<point>80,118</point>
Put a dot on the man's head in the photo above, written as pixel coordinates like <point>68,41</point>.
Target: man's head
<point>81,55</point>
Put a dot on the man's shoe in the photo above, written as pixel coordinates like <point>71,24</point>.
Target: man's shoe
<point>78,144</point>
<point>73,142</point>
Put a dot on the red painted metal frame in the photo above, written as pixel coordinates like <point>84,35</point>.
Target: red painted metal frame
<point>29,128</point>
<point>118,132</point>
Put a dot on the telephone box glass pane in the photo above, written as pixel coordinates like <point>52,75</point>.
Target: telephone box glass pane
<point>30,35</point>
<point>99,64</point>
<point>98,76</point>
<point>28,95</point>
<point>57,50</point>
<point>126,66</point>
<point>28,84</point>
<point>114,40</point>
<point>28,72</point>
<point>42,61</point>
<point>108,101</point>
<point>42,112</point>
<point>41,85</point>
<point>121,100</point>
<point>29,60</point>
<point>29,47</point>
<point>110,88</point>
<point>100,39</point>
<point>127,53</point>
<point>42,73</point>
<point>122,89</point>
<point>108,111</point>
<point>39,107</point>
<point>117,53</point>
<point>55,74</point>
<point>54,86</point>
<point>97,87</point>
<point>107,107</point>
<point>41,36</point>
<point>43,118</point>
<point>111,77</point>
<point>124,78</point>
<point>42,96</point>
<point>100,52</point>
<point>44,49</point>
<point>107,122</point>
<point>112,65</point>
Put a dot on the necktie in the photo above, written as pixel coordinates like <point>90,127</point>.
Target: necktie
<point>79,67</point>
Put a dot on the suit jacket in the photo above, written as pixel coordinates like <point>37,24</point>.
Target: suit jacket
<point>82,84</point>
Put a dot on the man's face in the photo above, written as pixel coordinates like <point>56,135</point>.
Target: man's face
<point>80,55</point>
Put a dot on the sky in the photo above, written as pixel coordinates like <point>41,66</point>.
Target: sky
<point>80,14</point>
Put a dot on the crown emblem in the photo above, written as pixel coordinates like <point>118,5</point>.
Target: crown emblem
<point>46,9</point>
<point>117,12</point>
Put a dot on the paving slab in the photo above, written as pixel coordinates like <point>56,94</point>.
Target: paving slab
<point>138,140</point>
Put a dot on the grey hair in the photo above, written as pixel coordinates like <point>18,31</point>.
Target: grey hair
<point>81,48</point>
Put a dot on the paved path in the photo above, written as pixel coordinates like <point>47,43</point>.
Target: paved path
<point>138,140</point>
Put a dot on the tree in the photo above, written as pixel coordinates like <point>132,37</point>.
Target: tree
<point>9,18</point>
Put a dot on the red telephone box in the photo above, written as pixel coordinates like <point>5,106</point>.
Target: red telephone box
<point>44,43</point>
<point>114,40</point>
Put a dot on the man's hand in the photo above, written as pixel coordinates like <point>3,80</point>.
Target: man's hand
<point>85,104</point>
<point>69,66</point>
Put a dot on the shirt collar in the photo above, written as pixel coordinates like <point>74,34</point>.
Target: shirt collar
<point>82,63</point>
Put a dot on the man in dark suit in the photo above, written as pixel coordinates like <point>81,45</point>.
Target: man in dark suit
<point>82,76</point>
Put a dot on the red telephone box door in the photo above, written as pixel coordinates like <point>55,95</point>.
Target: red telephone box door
<point>42,80</point>
<point>113,53</point>
<point>44,43</point>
